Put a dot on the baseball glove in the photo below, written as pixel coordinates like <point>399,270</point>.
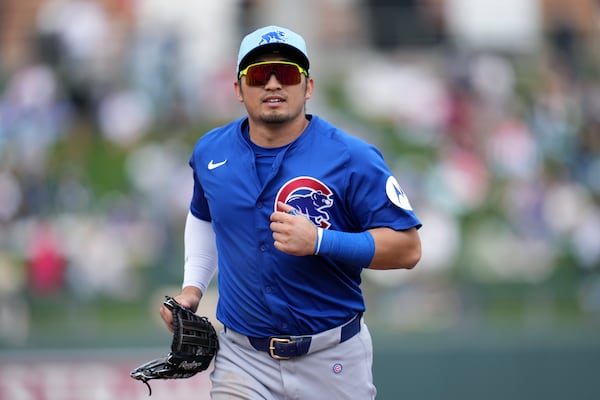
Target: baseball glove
<point>193,347</point>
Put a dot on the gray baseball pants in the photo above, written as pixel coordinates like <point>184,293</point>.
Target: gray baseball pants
<point>330,370</point>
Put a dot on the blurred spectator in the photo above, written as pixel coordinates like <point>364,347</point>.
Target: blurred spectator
<point>124,117</point>
<point>79,31</point>
<point>32,117</point>
<point>46,262</point>
<point>10,196</point>
<point>15,316</point>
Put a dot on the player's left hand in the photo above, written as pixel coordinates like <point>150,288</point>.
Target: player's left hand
<point>189,298</point>
<point>293,233</point>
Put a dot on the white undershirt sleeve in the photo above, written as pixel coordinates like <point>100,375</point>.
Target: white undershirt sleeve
<point>200,250</point>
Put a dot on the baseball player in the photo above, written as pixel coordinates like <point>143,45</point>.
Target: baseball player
<point>291,209</point>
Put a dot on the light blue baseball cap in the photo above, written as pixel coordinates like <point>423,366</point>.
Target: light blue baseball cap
<point>273,39</point>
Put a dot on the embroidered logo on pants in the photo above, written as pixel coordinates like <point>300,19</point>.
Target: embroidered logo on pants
<point>337,368</point>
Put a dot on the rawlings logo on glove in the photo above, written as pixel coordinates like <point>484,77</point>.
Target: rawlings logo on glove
<point>193,347</point>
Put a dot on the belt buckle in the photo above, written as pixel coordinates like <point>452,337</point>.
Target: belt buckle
<point>272,342</point>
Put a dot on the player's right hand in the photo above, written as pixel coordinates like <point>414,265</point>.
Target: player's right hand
<point>292,233</point>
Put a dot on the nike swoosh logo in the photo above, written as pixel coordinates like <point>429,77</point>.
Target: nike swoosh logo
<point>212,164</point>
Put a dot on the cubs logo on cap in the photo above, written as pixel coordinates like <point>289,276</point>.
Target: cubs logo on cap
<point>273,39</point>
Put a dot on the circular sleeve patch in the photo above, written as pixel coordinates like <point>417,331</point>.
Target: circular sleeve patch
<point>396,194</point>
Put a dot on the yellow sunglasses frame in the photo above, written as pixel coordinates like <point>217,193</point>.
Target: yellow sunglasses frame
<point>245,70</point>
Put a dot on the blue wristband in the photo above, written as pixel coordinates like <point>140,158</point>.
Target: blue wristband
<point>354,249</point>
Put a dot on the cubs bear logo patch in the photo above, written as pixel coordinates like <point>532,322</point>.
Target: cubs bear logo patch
<point>310,197</point>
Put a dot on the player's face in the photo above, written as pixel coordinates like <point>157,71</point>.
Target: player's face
<point>274,102</point>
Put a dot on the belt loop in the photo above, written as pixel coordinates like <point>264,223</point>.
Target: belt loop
<point>351,328</point>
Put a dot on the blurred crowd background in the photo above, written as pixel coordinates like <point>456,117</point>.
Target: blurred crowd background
<point>488,112</point>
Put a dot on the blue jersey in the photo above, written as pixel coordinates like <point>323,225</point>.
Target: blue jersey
<point>336,180</point>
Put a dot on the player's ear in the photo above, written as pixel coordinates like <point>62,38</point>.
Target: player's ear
<point>238,91</point>
<point>310,86</point>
